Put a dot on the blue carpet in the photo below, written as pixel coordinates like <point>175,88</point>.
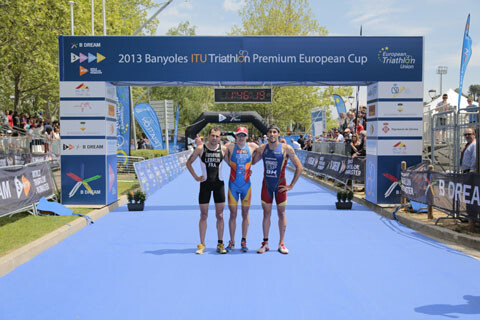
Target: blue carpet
<point>342,265</point>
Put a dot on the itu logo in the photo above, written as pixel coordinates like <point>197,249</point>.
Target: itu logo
<point>401,58</point>
<point>396,90</point>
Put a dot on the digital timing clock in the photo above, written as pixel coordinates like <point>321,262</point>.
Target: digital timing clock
<point>243,95</point>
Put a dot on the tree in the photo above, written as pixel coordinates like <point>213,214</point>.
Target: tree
<point>474,91</point>
<point>293,17</point>
<point>192,100</point>
<point>29,31</point>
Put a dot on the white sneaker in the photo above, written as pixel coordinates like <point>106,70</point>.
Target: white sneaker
<point>282,249</point>
<point>200,249</point>
<point>264,248</point>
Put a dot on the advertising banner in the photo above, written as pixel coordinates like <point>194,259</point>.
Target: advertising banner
<point>21,187</point>
<point>240,58</point>
<point>153,174</point>
<point>88,127</point>
<point>148,120</point>
<point>443,190</point>
<point>395,109</point>
<point>123,120</point>
<point>339,167</point>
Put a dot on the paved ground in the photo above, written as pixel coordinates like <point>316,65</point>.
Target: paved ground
<point>343,265</point>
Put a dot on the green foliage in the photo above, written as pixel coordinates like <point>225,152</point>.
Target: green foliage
<point>29,31</point>
<point>350,196</point>
<point>339,196</point>
<point>139,196</point>
<point>148,154</point>
<point>474,91</point>
<point>278,17</point>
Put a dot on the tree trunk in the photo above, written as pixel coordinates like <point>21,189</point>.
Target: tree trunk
<point>17,92</point>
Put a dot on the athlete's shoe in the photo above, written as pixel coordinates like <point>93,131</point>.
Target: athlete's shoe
<point>264,248</point>
<point>282,249</point>
<point>221,248</point>
<point>244,246</point>
<point>230,246</point>
<point>200,249</point>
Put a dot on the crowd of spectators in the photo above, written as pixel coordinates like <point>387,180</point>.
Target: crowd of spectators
<point>350,131</point>
<point>21,124</point>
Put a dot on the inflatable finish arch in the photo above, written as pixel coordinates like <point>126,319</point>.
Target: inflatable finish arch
<point>225,117</point>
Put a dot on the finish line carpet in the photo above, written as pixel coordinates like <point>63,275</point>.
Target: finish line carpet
<point>342,265</point>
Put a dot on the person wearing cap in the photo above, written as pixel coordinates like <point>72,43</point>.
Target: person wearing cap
<point>239,157</point>
<point>211,155</point>
<point>275,156</point>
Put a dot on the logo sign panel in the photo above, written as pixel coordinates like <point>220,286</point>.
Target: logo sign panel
<point>372,91</point>
<point>83,147</point>
<point>86,89</point>
<point>395,128</point>
<point>403,109</point>
<point>85,108</point>
<point>400,147</point>
<point>400,90</point>
<point>85,128</point>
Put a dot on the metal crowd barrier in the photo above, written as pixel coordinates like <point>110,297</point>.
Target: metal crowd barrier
<point>332,147</point>
<point>24,150</point>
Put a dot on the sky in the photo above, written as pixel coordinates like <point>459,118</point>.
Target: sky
<point>440,22</point>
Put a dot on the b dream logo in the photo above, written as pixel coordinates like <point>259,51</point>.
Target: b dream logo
<point>387,55</point>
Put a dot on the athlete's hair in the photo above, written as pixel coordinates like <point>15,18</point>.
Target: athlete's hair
<point>272,126</point>
<point>214,129</point>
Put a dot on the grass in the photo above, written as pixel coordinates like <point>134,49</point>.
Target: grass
<point>23,228</point>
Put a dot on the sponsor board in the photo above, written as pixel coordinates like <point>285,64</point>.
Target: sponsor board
<point>372,91</point>
<point>86,89</point>
<point>371,178</point>
<point>111,147</point>
<point>399,147</point>
<point>111,128</point>
<point>84,147</point>
<point>372,110</point>
<point>84,108</point>
<point>395,128</point>
<point>84,179</point>
<point>372,147</point>
<point>86,128</point>
<point>407,109</point>
<point>110,92</point>
<point>400,90</point>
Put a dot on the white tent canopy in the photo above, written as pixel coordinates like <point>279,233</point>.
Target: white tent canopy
<point>452,100</point>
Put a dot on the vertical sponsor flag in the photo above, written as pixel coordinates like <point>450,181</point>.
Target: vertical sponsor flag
<point>466,54</point>
<point>175,138</point>
<point>340,104</point>
<point>123,120</point>
<point>148,120</point>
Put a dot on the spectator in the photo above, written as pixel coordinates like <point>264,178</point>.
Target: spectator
<point>469,164</point>
<point>308,145</point>
<point>56,133</point>
<point>362,152</point>
<point>342,121</point>
<point>355,144</point>
<point>337,136</point>
<point>10,119</point>
<point>472,114</point>
<point>295,144</point>
<point>442,106</point>
<point>301,141</point>
<point>468,153</point>
<point>360,128</point>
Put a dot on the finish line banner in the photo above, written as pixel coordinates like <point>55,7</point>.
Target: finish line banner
<point>336,166</point>
<point>240,59</point>
<point>22,187</point>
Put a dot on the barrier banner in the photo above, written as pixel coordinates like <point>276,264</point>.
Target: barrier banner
<point>21,187</point>
<point>153,174</point>
<point>443,190</point>
<point>339,167</point>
